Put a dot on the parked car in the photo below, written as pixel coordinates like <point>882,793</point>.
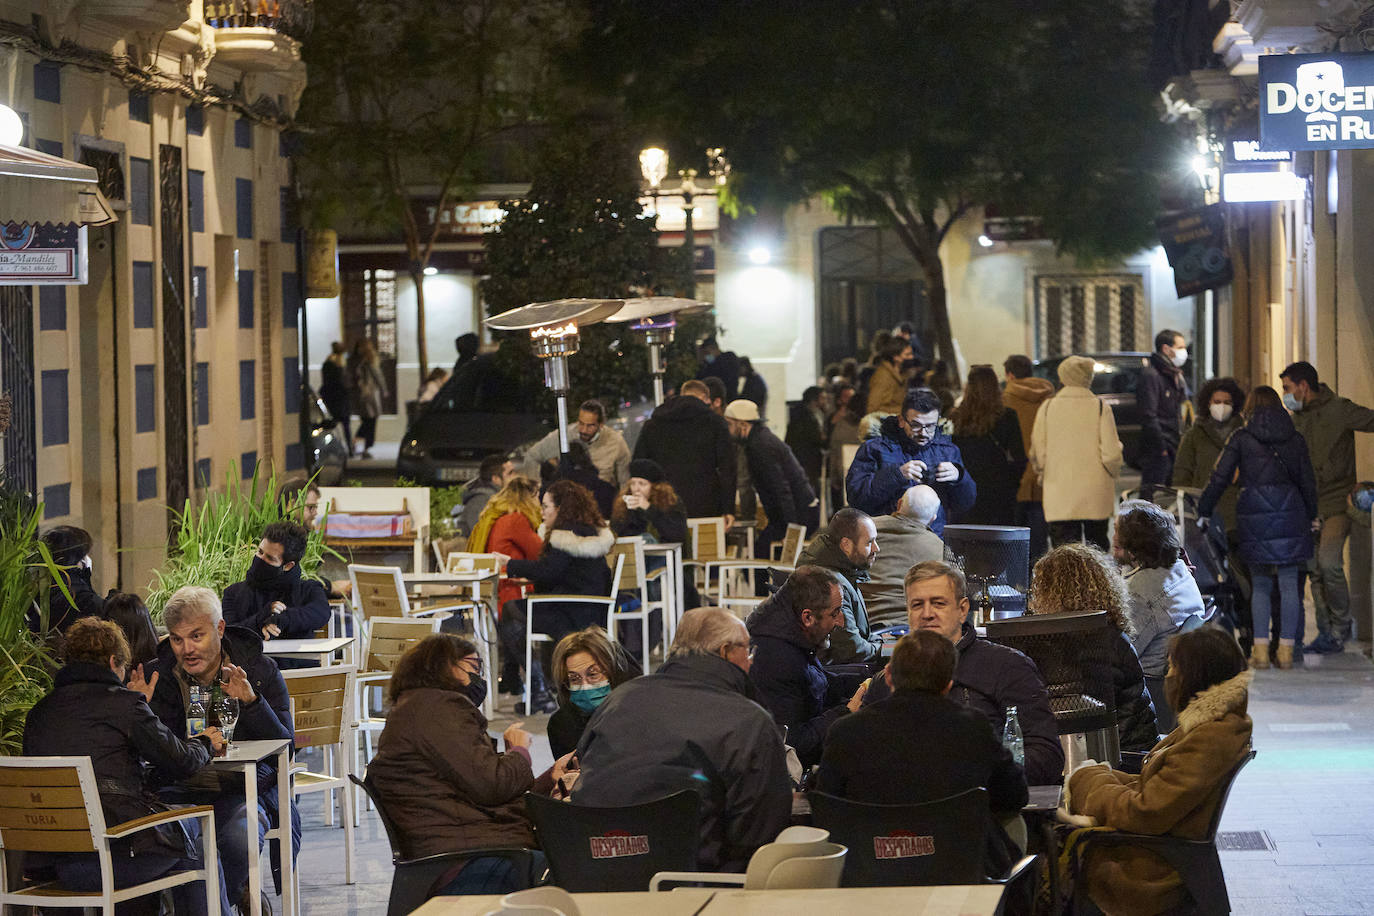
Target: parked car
<point>328,454</point>
<point>1115,377</point>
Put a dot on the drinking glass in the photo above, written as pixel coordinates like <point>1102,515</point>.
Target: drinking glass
<point>228,711</point>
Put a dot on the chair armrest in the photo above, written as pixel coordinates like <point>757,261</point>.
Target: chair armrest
<point>433,611</point>
<point>1016,871</point>
<point>570,599</point>
<point>654,574</point>
<point>696,877</point>
<point>161,817</point>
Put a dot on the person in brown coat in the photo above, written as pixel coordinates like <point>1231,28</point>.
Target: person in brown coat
<point>1024,393</point>
<point>1181,784</point>
<point>440,776</point>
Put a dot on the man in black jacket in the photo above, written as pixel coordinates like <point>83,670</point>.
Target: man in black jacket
<point>694,448</point>
<point>201,650</point>
<point>807,434</point>
<point>786,630</point>
<point>780,482</point>
<point>694,724</point>
<point>1160,395</point>
<point>715,364</point>
<point>987,677</point>
<point>273,600</point>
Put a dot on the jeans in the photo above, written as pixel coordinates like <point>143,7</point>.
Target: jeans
<point>491,875</point>
<point>1290,601</point>
<point>1032,515</point>
<point>1091,531</point>
<point>81,872</point>
<point>1330,594</point>
<point>1156,470</point>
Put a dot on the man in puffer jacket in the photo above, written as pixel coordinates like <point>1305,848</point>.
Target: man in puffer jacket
<point>909,451</point>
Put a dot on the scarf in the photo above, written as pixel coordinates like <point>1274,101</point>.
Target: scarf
<point>499,505</point>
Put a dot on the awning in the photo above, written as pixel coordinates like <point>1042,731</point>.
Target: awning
<point>38,188</point>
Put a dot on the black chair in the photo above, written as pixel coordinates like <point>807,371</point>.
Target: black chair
<point>939,842</point>
<point>616,849</point>
<point>1074,653</point>
<point>416,880</point>
<point>1196,861</point>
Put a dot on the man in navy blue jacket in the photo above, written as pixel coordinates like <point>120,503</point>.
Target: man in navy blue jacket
<point>273,600</point>
<point>911,450</point>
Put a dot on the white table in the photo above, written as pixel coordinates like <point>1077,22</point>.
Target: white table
<point>244,758</point>
<point>672,551</point>
<point>686,902</point>
<point>322,650</point>
<point>486,642</point>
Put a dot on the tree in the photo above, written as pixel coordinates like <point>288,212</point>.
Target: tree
<point>581,232</point>
<point>907,112</point>
<point>411,95</point>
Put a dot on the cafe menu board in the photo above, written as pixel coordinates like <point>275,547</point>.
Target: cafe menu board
<point>37,254</point>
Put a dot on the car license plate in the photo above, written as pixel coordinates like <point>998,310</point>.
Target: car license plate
<point>451,473</point>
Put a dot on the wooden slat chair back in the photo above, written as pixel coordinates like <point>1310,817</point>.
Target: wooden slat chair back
<point>378,591</point>
<point>461,562</point>
<point>322,713</point>
<point>51,804</point>
<point>793,543</point>
<point>635,578</point>
<point>389,637</point>
<point>708,538</point>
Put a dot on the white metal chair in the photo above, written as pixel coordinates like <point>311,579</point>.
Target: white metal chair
<point>381,591</point>
<point>596,601</point>
<point>322,712</point>
<point>800,858</point>
<point>707,538</point>
<point>51,804</point>
<point>483,608</point>
<point>637,579</point>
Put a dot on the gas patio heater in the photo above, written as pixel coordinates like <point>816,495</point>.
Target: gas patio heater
<point>656,318</point>
<point>553,328</point>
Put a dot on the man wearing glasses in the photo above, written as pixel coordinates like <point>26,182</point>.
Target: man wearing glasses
<point>910,450</point>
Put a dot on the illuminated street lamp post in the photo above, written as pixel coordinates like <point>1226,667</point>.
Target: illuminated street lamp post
<point>653,165</point>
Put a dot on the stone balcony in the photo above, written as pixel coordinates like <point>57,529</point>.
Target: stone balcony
<point>1285,25</point>
<point>140,15</point>
<point>257,49</point>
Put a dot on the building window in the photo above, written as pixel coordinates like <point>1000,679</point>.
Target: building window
<point>248,464</point>
<point>139,108</point>
<point>200,278</point>
<point>47,82</point>
<point>54,383</point>
<point>51,147</point>
<point>195,120</point>
<point>52,308</point>
<point>243,133</point>
<point>195,199</point>
<point>143,294</point>
<point>243,202</point>
<point>295,456</point>
<point>202,394</point>
<point>246,298</point>
<point>248,382</point>
<point>203,472</point>
<point>140,191</point>
<point>57,501</point>
<point>1098,313</point>
<point>290,301</point>
<point>291,378</point>
<point>288,215</point>
<point>147,483</point>
<point>145,398</point>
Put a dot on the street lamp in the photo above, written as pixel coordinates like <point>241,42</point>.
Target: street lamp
<point>653,165</point>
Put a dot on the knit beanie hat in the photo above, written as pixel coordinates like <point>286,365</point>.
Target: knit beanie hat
<point>647,469</point>
<point>1077,370</point>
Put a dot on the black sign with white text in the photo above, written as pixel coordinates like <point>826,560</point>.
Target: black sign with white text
<point>1195,243</point>
<point>1316,101</point>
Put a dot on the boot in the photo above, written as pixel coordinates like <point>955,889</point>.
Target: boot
<point>1285,656</point>
<point>1259,655</point>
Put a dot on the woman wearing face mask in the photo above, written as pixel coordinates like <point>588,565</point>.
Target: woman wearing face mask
<point>70,548</point>
<point>439,774</point>
<point>1275,515</point>
<point>587,666</point>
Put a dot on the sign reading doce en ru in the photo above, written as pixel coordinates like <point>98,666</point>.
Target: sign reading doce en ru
<point>1316,101</point>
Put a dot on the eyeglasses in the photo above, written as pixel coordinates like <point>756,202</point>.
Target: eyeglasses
<point>473,664</point>
<point>749,650</point>
<point>922,427</point>
<point>592,675</point>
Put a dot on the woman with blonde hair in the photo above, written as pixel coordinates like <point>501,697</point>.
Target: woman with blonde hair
<point>509,525</point>
<point>988,434</point>
<point>1077,578</point>
<point>587,666</point>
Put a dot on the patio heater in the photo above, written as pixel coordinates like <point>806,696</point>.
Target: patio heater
<point>656,318</point>
<point>554,336</point>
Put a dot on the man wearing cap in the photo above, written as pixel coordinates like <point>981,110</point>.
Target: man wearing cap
<point>778,478</point>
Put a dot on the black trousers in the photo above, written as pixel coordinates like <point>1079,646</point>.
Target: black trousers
<point>1156,470</point>
<point>1087,530</point>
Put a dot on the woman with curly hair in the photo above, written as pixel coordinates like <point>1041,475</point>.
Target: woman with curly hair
<point>648,507</point>
<point>1164,594</point>
<point>988,434</point>
<point>571,562</point>
<point>1079,577</point>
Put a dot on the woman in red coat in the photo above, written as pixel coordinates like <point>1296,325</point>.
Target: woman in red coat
<point>510,525</point>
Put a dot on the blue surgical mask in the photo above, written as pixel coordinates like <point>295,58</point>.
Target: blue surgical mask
<point>587,697</point>
<point>1291,401</point>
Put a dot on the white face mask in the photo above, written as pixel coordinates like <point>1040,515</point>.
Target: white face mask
<point>1220,412</point>
<point>1180,356</point>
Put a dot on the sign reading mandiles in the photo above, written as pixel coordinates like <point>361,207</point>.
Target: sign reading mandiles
<point>1316,101</point>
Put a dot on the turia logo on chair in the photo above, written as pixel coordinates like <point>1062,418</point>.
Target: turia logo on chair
<point>618,843</point>
<point>903,844</point>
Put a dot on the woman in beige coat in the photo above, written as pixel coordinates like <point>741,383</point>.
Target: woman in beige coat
<point>1076,454</point>
<point>1181,784</point>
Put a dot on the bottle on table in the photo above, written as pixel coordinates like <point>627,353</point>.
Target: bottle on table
<point>195,713</point>
<point>1012,739</point>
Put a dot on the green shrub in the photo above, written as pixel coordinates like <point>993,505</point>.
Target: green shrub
<point>441,503</point>
<point>26,568</point>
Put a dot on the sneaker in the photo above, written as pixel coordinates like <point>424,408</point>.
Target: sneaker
<point>1326,644</point>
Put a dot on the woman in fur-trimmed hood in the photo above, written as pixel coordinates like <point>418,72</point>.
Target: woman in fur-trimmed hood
<point>1181,784</point>
<point>573,562</point>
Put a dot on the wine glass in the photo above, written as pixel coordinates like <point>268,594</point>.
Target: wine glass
<point>227,708</point>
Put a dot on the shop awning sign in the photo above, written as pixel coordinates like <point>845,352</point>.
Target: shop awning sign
<point>1316,101</point>
<point>1195,243</point>
<point>38,254</point>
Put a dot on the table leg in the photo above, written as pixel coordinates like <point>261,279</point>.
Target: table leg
<point>486,644</point>
<point>290,900</point>
<point>679,575</point>
<point>250,798</point>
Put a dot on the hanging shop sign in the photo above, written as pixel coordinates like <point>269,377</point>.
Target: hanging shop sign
<point>42,254</point>
<point>1195,243</point>
<point>1316,101</point>
<point>321,264</point>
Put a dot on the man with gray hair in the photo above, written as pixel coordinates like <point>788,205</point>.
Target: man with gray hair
<point>223,661</point>
<point>907,539</point>
<point>694,724</point>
